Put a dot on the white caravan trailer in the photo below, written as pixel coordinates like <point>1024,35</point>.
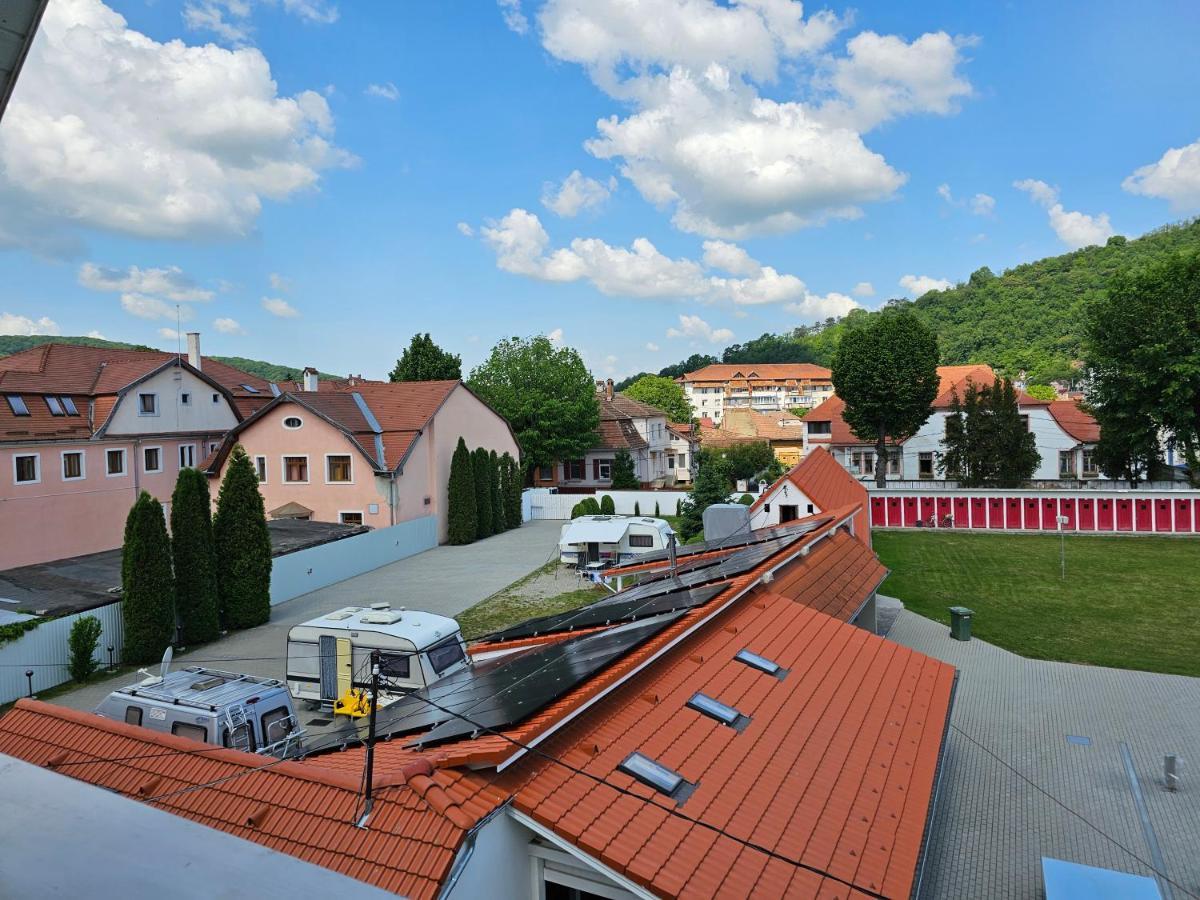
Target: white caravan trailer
<point>591,540</point>
<point>330,655</point>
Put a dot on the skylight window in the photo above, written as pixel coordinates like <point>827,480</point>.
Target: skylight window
<point>69,405</point>
<point>55,407</point>
<point>754,661</point>
<point>249,389</point>
<point>17,404</point>
<point>715,709</point>
<point>659,777</point>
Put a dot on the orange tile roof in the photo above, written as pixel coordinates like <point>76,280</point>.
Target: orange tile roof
<point>1075,421</point>
<point>421,815</point>
<point>826,481</point>
<point>760,372</point>
<point>764,426</point>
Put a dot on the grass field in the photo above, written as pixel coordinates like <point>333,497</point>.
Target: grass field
<point>544,591</point>
<point>1131,603</point>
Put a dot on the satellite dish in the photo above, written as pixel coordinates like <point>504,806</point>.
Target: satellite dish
<point>150,680</point>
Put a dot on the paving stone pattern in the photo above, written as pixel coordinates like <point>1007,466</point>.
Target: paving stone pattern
<point>991,827</point>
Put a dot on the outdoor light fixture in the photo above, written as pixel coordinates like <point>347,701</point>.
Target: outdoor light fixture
<point>29,677</point>
<point>111,667</point>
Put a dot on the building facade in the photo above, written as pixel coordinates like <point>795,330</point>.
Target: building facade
<point>766,387</point>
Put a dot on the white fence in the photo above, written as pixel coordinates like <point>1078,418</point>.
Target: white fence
<point>539,503</point>
<point>45,651</point>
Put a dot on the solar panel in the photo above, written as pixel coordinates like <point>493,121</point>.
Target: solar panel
<point>608,611</point>
<point>506,690</point>
<point>736,540</point>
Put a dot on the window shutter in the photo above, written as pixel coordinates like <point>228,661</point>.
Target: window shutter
<point>596,469</point>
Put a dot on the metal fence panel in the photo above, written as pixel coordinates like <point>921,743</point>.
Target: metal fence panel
<point>45,651</point>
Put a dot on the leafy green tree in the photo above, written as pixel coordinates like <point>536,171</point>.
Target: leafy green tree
<point>661,393</point>
<point>423,360</point>
<point>746,500</point>
<point>85,635</point>
<point>481,467</point>
<point>747,459</point>
<point>624,475</point>
<point>243,546</point>
<point>986,441</point>
<point>512,491</point>
<point>1014,445</point>
<point>693,363</point>
<point>1129,448</point>
<point>886,372</point>
<point>712,486</point>
<point>461,511</point>
<point>545,393</point>
<point>197,603</point>
<point>498,523</point>
<point>1041,392</point>
<point>1144,355</point>
<point>607,506</point>
<point>147,583</point>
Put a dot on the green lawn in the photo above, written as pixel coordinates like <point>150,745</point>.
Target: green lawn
<point>537,594</point>
<point>1131,603</point>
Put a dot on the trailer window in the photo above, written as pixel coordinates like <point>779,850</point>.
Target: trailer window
<point>394,665</point>
<point>444,655</point>
<point>195,732</point>
<point>276,725</point>
<point>242,738</point>
<point>133,715</point>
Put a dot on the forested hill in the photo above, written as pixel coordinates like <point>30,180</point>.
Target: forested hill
<point>14,343</point>
<point>1030,317</point>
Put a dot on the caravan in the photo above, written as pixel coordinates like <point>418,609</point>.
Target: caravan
<point>595,541</point>
<point>330,656</point>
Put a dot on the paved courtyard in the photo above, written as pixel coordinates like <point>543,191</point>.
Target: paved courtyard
<point>992,826</point>
<point>444,580</point>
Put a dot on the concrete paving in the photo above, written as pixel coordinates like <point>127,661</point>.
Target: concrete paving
<point>1063,728</point>
<point>445,580</point>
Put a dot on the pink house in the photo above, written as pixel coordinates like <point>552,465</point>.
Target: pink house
<point>371,453</point>
<point>84,429</point>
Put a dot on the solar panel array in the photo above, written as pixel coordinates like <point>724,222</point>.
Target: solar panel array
<point>504,691</point>
<point>734,540</point>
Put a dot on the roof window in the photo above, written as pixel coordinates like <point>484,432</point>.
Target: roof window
<point>69,405</point>
<point>17,404</point>
<point>754,661</point>
<point>250,389</point>
<point>715,709</point>
<point>55,407</point>
<point>657,776</point>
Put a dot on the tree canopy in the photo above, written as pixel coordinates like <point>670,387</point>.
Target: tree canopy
<point>886,372</point>
<point>461,512</point>
<point>986,440</point>
<point>197,603</point>
<point>546,394</point>
<point>147,583</point>
<point>663,393</point>
<point>624,472</point>
<point>243,546</point>
<point>711,486</point>
<point>423,360</point>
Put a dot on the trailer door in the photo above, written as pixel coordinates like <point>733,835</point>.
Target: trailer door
<point>329,667</point>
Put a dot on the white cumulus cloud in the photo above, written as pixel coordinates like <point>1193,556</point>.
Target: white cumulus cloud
<point>1075,229</point>
<point>555,336</point>
<point>116,131</point>
<point>652,347</point>
<point>11,323</point>
<point>864,289</point>
<point>228,326</point>
<point>983,204</point>
<point>465,230</point>
<point>514,18</point>
<point>576,193</point>
<point>277,306</point>
<point>147,307</point>
<point>1175,177</point>
<point>169,283</point>
<point>386,91</point>
<point>170,334</point>
<point>696,327</point>
<point>919,285</point>
<point>279,282</point>
<point>230,20</point>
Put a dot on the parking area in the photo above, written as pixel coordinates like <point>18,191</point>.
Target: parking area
<point>445,580</point>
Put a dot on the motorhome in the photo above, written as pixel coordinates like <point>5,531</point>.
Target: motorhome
<point>229,709</point>
<point>599,540</point>
<point>330,656</point>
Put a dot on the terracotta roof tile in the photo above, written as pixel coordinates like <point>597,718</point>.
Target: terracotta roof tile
<point>759,371</point>
<point>1075,421</point>
<point>830,486</point>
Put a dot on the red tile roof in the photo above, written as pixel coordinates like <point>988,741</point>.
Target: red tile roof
<point>826,481</point>
<point>421,815</point>
<point>763,426</point>
<point>1075,421</point>
<point>759,372</point>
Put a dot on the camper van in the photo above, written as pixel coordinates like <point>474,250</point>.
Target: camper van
<point>609,540</point>
<point>244,712</point>
<point>329,656</point>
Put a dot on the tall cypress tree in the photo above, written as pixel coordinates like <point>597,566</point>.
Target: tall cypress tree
<point>481,464</point>
<point>461,512</point>
<point>243,546</point>
<point>512,491</point>
<point>197,606</point>
<point>498,516</point>
<point>147,584</point>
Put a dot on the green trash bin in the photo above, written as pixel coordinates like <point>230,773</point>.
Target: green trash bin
<point>960,623</point>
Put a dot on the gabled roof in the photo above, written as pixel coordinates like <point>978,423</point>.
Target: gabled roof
<point>828,484</point>
<point>759,371</point>
<point>616,429</point>
<point>622,407</point>
<point>765,426</point>
<point>1075,421</point>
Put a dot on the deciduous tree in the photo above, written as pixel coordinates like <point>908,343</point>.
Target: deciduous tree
<point>662,393</point>
<point>243,546</point>
<point>711,486</point>
<point>147,583</point>
<point>197,604</point>
<point>461,512</point>
<point>423,360</point>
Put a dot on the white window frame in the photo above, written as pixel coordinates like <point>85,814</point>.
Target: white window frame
<point>149,471</point>
<point>1066,454</point>
<point>192,448</point>
<point>124,462</point>
<point>283,479</point>
<point>292,427</point>
<point>37,468</point>
<point>261,471</point>
<point>62,465</point>
<point>604,468</point>
<point>329,456</point>
<point>141,410</point>
<point>1094,470</point>
<point>352,512</point>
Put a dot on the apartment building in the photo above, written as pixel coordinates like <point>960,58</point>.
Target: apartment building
<point>766,387</point>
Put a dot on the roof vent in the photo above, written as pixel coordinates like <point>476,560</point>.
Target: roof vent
<point>384,617</point>
<point>338,616</point>
<point>383,605</point>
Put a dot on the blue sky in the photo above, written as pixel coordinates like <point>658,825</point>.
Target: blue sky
<point>312,182</point>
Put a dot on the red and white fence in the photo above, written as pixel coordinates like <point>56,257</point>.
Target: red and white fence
<point>1131,512</point>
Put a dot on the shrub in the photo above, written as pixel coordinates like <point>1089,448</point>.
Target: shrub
<point>461,510</point>
<point>512,491</point>
<point>481,468</point>
<point>577,510</point>
<point>590,506</point>
<point>243,546</point>
<point>85,635</point>
<point>607,506</point>
<point>497,476</point>
<point>197,607</point>
<point>147,583</point>
<point>746,500</point>
<point>637,508</point>
<point>679,506</point>
<point>656,512</point>
<point>624,473</point>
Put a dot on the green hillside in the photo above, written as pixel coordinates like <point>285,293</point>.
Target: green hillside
<point>1029,317</point>
<point>14,343</point>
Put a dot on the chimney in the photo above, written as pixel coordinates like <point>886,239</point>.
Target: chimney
<point>311,381</point>
<point>608,389</point>
<point>193,338</point>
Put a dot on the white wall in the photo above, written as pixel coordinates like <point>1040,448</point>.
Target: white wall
<point>762,517</point>
<point>45,650</point>
<point>494,861</point>
<point>200,415</point>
